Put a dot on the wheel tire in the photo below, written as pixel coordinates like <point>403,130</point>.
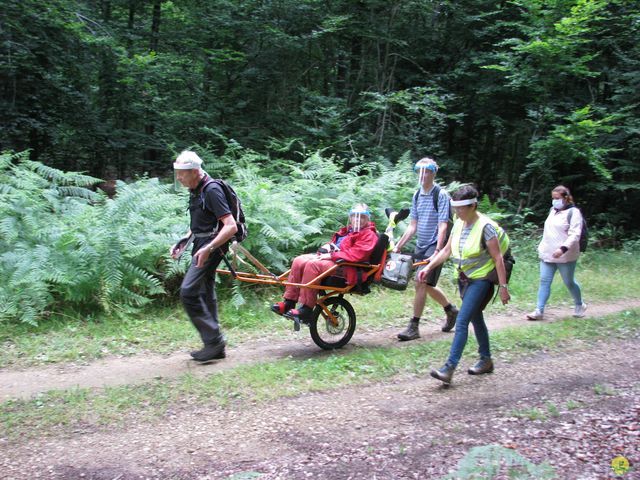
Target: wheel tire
<point>325,334</point>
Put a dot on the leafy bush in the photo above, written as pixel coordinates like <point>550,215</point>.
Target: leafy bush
<point>66,245</point>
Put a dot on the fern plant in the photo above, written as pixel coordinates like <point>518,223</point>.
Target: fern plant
<point>490,461</point>
<point>65,245</point>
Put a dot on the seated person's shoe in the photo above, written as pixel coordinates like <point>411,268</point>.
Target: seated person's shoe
<point>213,351</point>
<point>303,314</point>
<point>281,308</point>
<point>484,365</point>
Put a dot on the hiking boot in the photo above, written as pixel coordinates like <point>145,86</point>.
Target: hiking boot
<point>535,315</point>
<point>197,353</point>
<point>213,351</point>
<point>484,365</point>
<point>450,321</point>
<point>445,374</point>
<point>411,332</point>
<point>579,310</point>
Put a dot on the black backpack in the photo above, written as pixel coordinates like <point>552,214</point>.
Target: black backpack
<point>234,204</point>
<point>435,193</point>
<point>584,232</point>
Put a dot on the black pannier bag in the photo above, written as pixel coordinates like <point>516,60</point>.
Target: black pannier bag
<point>397,271</point>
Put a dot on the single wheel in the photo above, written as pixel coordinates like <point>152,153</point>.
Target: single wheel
<point>330,334</point>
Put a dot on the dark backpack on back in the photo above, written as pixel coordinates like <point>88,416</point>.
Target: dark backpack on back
<point>234,204</point>
<point>584,232</point>
<point>507,257</point>
<point>435,193</point>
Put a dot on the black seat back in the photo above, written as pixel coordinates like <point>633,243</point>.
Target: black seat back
<point>379,249</point>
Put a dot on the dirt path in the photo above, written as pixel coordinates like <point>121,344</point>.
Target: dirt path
<point>408,428</point>
<point>24,383</point>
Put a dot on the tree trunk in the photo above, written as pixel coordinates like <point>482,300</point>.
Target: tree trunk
<point>155,25</point>
<point>151,154</point>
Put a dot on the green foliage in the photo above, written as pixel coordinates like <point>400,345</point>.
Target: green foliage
<point>575,144</point>
<point>64,244</point>
<point>512,96</point>
<point>491,461</point>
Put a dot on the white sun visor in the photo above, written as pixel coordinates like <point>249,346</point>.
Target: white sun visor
<point>462,203</point>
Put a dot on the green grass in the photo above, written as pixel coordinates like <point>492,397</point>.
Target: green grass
<point>573,405</point>
<point>603,275</point>
<point>529,413</point>
<point>603,390</point>
<point>289,377</point>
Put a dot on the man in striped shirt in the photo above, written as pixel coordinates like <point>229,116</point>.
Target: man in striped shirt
<point>430,220</point>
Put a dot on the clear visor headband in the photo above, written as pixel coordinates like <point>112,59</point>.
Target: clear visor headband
<point>356,218</point>
<point>462,203</point>
<point>426,166</point>
<point>423,170</point>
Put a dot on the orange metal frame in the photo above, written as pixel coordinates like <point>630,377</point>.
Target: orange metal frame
<point>314,284</point>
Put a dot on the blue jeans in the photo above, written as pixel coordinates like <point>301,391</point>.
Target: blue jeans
<point>547,272</point>
<point>471,312</point>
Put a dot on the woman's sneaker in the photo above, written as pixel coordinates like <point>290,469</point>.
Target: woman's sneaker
<point>579,310</point>
<point>535,315</point>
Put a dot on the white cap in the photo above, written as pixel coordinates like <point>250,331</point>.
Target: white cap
<point>187,160</point>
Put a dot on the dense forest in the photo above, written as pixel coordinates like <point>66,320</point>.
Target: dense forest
<point>305,106</point>
<point>515,96</point>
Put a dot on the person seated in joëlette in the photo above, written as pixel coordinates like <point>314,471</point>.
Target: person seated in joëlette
<point>353,243</point>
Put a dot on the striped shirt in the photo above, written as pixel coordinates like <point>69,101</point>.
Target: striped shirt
<point>424,212</point>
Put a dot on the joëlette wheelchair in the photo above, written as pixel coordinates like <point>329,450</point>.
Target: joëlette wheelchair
<point>334,318</point>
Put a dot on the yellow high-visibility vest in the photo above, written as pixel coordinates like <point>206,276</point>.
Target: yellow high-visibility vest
<point>475,260</point>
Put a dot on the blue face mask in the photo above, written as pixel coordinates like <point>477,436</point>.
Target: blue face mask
<point>557,203</point>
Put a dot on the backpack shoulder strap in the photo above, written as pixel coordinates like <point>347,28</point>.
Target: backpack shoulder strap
<point>203,190</point>
<point>436,196</point>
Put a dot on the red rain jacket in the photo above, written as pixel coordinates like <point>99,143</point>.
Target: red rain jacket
<point>355,247</point>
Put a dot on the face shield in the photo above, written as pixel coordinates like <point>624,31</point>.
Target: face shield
<point>182,168</point>
<point>423,170</point>
<point>358,219</point>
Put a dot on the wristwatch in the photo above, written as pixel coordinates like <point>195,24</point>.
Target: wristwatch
<point>503,285</point>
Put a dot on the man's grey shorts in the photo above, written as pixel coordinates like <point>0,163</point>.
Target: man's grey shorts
<point>421,254</point>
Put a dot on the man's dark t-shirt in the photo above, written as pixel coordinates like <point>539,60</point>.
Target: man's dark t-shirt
<point>206,218</point>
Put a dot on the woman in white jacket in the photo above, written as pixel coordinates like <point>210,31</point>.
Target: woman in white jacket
<point>559,250</point>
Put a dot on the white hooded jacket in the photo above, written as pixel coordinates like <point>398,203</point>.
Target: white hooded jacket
<point>559,233</point>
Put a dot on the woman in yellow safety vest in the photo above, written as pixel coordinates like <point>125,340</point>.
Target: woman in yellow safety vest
<point>476,246</point>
